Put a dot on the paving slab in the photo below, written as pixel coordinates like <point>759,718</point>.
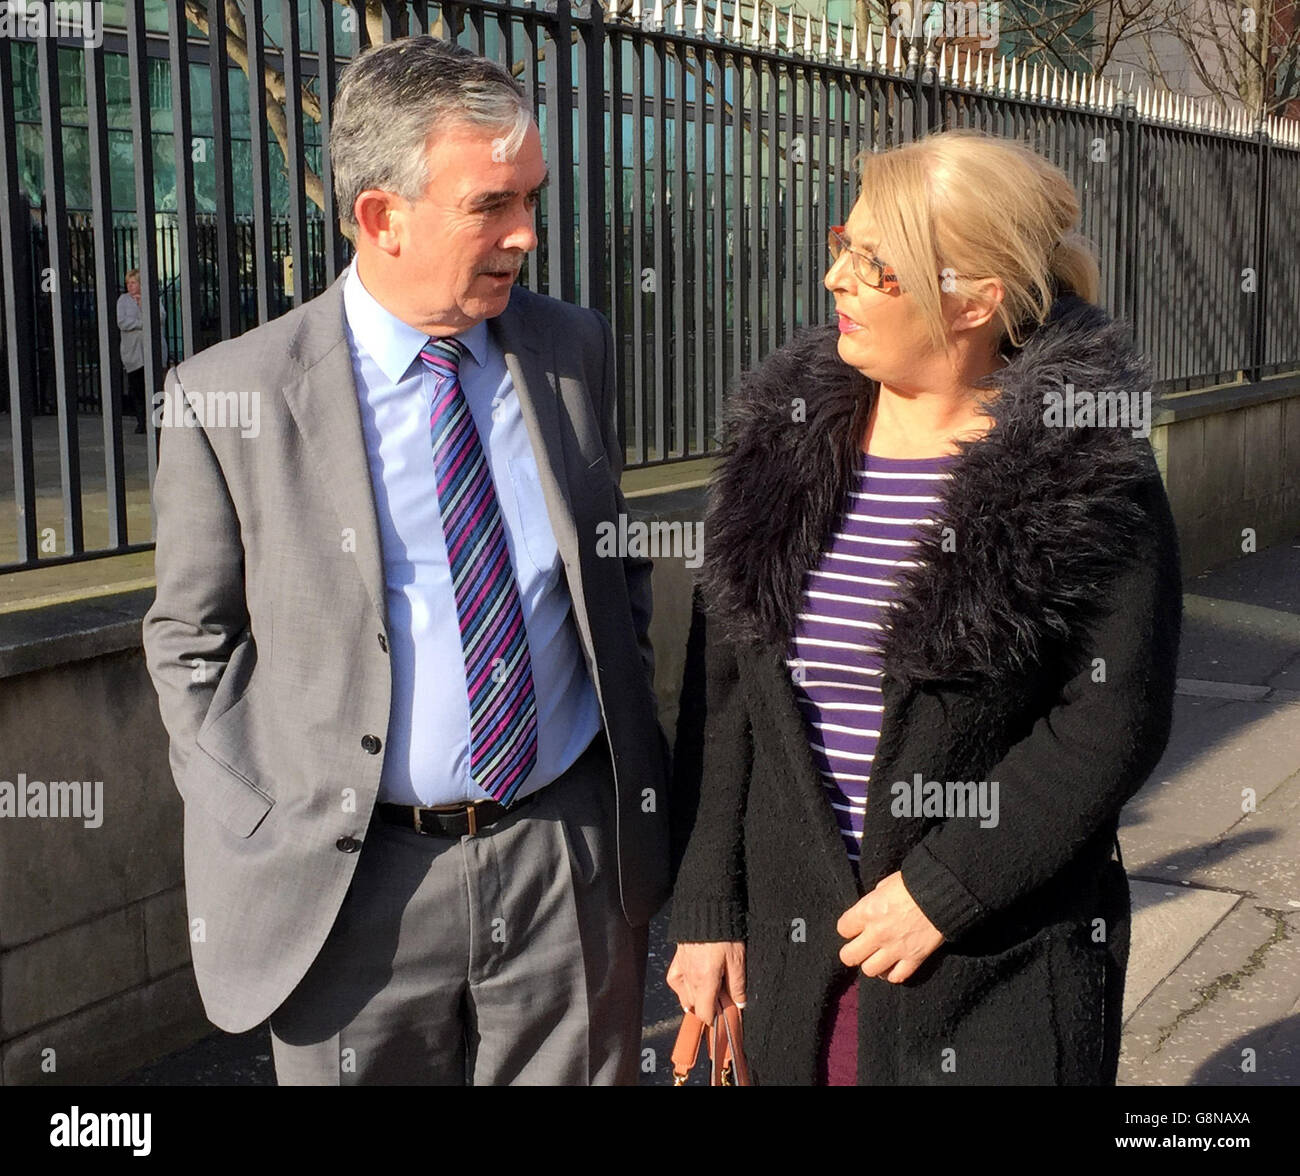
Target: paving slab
<point>1227,1014</point>
<point>1169,920</point>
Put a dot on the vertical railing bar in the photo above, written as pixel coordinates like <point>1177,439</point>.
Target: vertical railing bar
<point>110,371</point>
<point>678,220</point>
<point>699,236</point>
<point>619,303</point>
<point>327,71</point>
<point>559,205</point>
<point>363,29</point>
<point>178,56</point>
<point>775,211</point>
<point>1263,152</point>
<point>294,163</point>
<point>592,227</point>
<point>226,264</point>
<point>263,247</point>
<point>791,255</point>
<point>722,285</point>
<point>532,32</point>
<point>637,219</point>
<point>479,39</point>
<point>660,338</point>
<point>739,213</point>
<point>19,324</point>
<point>57,286</point>
<point>755,211</point>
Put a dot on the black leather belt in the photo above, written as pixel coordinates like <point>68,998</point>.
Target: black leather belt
<point>450,820</point>
<point>457,820</point>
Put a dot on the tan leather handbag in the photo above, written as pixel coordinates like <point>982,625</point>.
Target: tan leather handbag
<point>726,1047</point>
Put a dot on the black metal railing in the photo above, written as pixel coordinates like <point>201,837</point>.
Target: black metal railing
<point>695,172</point>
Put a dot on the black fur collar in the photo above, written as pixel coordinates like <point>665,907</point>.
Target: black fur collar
<point>1040,513</point>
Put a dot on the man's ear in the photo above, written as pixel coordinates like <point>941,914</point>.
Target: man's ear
<point>380,220</point>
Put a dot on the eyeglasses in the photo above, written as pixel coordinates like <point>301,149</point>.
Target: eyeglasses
<point>866,266</point>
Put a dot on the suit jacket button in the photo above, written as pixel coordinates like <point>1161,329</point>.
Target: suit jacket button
<point>383,642</point>
<point>347,844</point>
<point>371,744</point>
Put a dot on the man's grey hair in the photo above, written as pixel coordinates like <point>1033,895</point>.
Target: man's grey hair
<point>393,97</point>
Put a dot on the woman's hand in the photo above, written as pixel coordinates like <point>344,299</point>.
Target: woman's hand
<point>698,972</point>
<point>889,935</point>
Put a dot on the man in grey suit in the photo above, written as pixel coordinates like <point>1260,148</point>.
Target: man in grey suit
<point>410,707</point>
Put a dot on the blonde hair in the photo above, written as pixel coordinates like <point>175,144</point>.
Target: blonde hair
<point>958,206</point>
<point>131,273</point>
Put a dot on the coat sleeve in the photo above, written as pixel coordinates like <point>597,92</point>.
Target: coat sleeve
<point>198,615</point>
<point>1067,780</point>
<point>712,760</point>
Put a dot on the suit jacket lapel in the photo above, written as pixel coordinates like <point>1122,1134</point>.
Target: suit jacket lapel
<point>530,361</point>
<point>325,406</point>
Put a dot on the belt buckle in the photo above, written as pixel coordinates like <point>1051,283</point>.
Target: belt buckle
<point>472,814</point>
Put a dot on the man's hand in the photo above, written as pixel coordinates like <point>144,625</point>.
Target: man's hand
<point>889,935</point>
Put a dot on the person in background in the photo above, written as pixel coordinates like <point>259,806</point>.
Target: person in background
<point>130,323</point>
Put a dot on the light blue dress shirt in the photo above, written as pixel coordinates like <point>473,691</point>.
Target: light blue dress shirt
<point>426,757</point>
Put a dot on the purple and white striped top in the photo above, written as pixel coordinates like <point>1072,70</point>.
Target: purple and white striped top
<point>833,654</point>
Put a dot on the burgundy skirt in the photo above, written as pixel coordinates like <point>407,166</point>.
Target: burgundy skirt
<point>838,1060</point>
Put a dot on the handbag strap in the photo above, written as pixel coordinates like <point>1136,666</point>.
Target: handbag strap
<point>726,1046</point>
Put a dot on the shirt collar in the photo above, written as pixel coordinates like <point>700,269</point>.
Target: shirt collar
<point>391,343</point>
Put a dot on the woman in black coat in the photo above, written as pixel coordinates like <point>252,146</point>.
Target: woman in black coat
<point>1029,653</point>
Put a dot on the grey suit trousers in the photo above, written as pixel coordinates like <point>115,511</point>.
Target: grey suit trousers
<point>495,959</point>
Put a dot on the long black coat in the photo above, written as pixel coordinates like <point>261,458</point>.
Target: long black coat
<point>1035,645</point>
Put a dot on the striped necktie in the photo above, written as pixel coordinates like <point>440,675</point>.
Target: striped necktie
<point>498,670</point>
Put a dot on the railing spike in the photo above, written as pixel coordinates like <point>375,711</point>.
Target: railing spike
<point>839,41</point>
<point>717,19</point>
<point>821,43</point>
<point>753,32</point>
<point>965,79</point>
<point>853,44</point>
<point>771,29</point>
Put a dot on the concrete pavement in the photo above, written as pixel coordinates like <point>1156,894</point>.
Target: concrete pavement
<point>1212,845</point>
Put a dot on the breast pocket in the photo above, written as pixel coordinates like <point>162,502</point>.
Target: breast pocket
<point>535,524</point>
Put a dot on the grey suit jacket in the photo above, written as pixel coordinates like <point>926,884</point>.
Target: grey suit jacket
<point>267,640</point>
